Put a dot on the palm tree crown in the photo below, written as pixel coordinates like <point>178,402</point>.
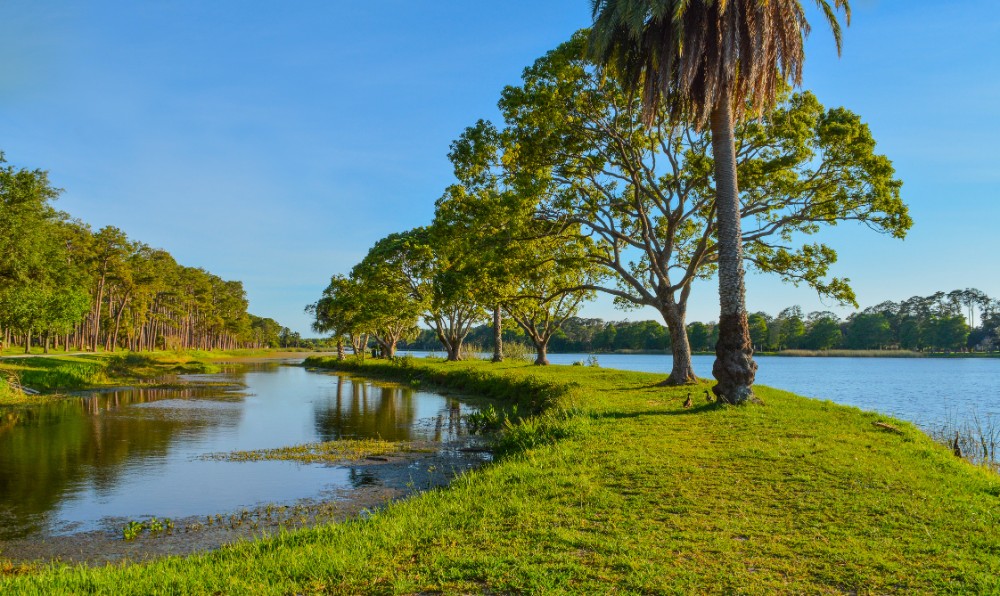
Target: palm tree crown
<point>693,54</point>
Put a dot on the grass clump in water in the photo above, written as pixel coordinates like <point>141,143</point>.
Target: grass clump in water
<point>329,452</point>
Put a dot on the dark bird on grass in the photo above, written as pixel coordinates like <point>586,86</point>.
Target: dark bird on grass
<point>708,396</point>
<point>688,402</point>
<point>956,447</point>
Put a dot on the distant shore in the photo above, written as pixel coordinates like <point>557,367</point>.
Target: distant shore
<point>787,353</point>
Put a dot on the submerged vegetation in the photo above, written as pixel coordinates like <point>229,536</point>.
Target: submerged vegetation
<point>609,480</point>
<point>329,452</point>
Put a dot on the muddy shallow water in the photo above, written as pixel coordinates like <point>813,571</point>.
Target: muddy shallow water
<point>73,473</point>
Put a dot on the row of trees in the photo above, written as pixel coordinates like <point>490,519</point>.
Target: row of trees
<point>64,285</point>
<point>585,188</point>
<point>938,323</point>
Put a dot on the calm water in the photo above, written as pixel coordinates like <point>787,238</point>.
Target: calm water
<point>74,465</point>
<point>928,391</point>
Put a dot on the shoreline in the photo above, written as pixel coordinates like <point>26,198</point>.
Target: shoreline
<point>57,376</point>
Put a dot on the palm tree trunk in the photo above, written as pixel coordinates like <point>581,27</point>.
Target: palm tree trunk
<point>734,367</point>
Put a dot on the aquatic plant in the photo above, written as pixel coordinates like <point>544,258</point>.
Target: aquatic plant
<point>490,419</point>
<point>339,451</point>
<point>132,530</point>
<point>974,437</point>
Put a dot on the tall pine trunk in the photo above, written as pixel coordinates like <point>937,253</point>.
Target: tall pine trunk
<point>97,315</point>
<point>734,368</point>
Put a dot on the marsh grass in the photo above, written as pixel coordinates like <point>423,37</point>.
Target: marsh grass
<point>610,485</point>
<point>330,452</point>
<point>977,436</point>
<point>472,351</point>
<point>518,352</point>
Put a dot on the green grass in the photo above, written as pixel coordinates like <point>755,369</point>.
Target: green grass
<point>85,371</point>
<point>56,372</point>
<point>612,486</point>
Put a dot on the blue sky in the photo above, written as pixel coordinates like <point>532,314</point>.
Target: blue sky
<point>274,143</point>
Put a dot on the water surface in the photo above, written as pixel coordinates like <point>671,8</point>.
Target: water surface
<point>932,392</point>
<point>84,464</point>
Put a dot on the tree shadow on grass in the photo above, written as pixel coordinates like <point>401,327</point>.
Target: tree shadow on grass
<point>696,409</point>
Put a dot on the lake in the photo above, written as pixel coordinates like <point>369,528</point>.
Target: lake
<point>931,392</point>
<point>86,465</point>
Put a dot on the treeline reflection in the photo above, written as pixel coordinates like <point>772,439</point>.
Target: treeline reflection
<point>47,450</point>
<point>363,410</point>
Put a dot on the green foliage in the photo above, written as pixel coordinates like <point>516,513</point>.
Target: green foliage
<point>132,530</point>
<point>156,527</point>
<point>489,419</point>
<point>58,373</point>
<point>643,190</point>
<point>55,273</point>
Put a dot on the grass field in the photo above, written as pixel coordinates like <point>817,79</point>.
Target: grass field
<point>612,486</point>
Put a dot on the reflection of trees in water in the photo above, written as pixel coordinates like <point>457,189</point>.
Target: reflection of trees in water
<point>363,410</point>
<point>448,425</point>
<point>47,450</point>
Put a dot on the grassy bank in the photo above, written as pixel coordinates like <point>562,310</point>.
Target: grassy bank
<point>613,486</point>
<point>74,372</point>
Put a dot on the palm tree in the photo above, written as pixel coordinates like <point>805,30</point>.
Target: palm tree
<point>712,62</point>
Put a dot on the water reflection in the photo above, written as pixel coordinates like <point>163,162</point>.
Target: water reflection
<point>75,464</point>
<point>389,412</point>
<point>49,451</point>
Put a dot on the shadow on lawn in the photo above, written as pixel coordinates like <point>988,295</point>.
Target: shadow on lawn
<point>696,409</point>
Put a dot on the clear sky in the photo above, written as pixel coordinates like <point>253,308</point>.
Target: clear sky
<point>275,142</point>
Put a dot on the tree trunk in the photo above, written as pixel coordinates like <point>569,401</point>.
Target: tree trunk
<point>734,368</point>
<point>27,341</point>
<point>118,323</point>
<point>340,348</point>
<point>542,353</point>
<point>497,334</point>
<point>97,316</point>
<point>682,372</point>
<point>454,349</point>
<point>45,343</point>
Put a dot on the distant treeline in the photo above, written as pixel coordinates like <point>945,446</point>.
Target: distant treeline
<point>63,284</point>
<point>962,320</point>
